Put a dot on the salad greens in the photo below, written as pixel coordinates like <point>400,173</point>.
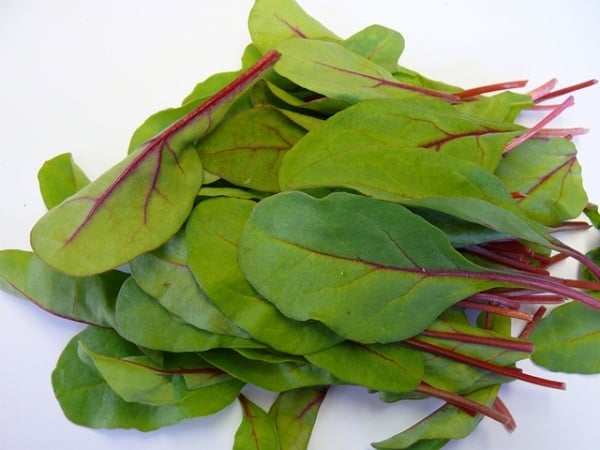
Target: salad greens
<point>323,216</point>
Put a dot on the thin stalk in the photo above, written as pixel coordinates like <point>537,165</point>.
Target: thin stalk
<point>566,90</point>
<point>494,309</point>
<point>508,344</point>
<point>537,317</point>
<point>510,372</point>
<point>473,92</point>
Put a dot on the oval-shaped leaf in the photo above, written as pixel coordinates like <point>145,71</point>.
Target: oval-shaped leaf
<point>344,260</point>
<point>257,430</point>
<point>88,299</point>
<point>380,44</point>
<point>213,232</point>
<point>141,202</point>
<point>60,178</point>
<point>87,400</point>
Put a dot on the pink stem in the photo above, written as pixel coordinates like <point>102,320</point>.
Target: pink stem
<point>468,93</point>
<point>566,90</point>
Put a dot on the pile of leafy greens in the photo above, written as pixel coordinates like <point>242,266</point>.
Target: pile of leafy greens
<point>321,217</point>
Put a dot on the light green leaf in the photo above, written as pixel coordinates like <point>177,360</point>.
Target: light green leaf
<point>87,400</point>
<point>60,178</point>
<point>88,299</point>
<point>257,430</point>
<point>273,21</point>
<point>213,232</point>
<point>295,413</point>
<point>141,202</point>
<point>568,340</point>
<point>380,44</point>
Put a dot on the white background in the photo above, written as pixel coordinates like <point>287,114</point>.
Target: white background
<point>80,76</point>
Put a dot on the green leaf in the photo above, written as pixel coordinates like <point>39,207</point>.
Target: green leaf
<point>87,400</point>
<point>132,381</point>
<point>343,260</point>
<point>444,424</point>
<point>568,340</point>
<point>332,70</point>
<point>413,177</point>
<point>213,232</point>
<point>60,178</point>
<point>257,430</point>
<point>380,44</point>
<point>272,376</point>
<point>295,413</point>
<point>380,367</point>
<point>504,106</point>
<point>546,173</point>
<point>273,21</point>
<point>141,202</point>
<point>409,123</point>
<point>164,275</point>
<point>141,319</point>
<point>246,148</point>
<point>88,299</point>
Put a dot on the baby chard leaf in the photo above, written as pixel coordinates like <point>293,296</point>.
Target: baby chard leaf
<point>88,299</point>
<point>448,422</point>
<point>141,319</point>
<point>257,430</point>
<point>60,178</point>
<point>380,44</point>
<point>380,367</point>
<point>273,21</point>
<point>568,340</point>
<point>546,175</point>
<point>213,232</point>
<point>330,69</point>
<point>86,398</point>
<point>246,148</point>
<point>164,275</point>
<point>295,413</point>
<point>142,201</point>
<point>344,260</point>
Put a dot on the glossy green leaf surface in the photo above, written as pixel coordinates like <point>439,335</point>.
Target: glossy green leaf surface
<point>380,44</point>
<point>59,178</point>
<point>330,69</point>
<point>273,21</point>
<point>444,424</point>
<point>141,319</point>
<point>272,376</point>
<point>213,232</point>
<point>246,149</point>
<point>139,203</point>
<point>164,275</point>
<point>88,299</point>
<point>257,430</point>
<point>380,367</point>
<point>343,260</point>
<point>547,176</point>
<point>568,340</point>
<point>414,177</point>
<point>295,413</point>
<point>86,399</point>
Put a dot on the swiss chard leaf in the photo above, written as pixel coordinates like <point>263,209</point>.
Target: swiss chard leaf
<point>343,260</point>
<point>213,232</point>
<point>414,177</point>
<point>141,319</point>
<point>246,149</point>
<point>568,340</point>
<point>60,178</point>
<point>141,202</point>
<point>273,21</point>
<point>87,299</point>
<point>272,376</point>
<point>164,275</point>
<point>294,413</point>
<point>380,44</point>
<point>257,430</point>
<point>438,428</point>
<point>380,367</point>
<point>547,176</point>
<point>86,398</point>
<point>330,69</point>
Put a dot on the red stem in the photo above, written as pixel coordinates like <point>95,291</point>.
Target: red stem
<point>468,93</point>
<point>566,90</point>
<point>509,344</point>
<point>528,329</point>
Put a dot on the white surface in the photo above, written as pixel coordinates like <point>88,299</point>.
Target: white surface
<point>80,76</point>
